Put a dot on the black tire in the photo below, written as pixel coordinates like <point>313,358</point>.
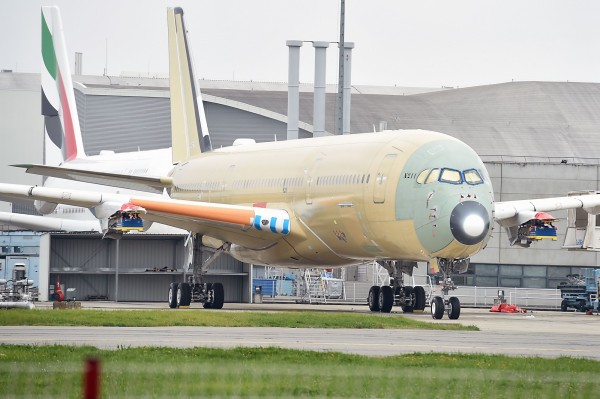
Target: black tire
<point>454,308</point>
<point>409,294</point>
<point>564,305</point>
<point>420,300</point>
<point>218,296</point>
<point>437,308</point>
<point>184,295</point>
<point>373,298</point>
<point>208,305</point>
<point>386,299</point>
<point>173,295</point>
<point>582,305</point>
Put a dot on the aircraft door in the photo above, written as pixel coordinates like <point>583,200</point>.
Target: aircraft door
<point>382,177</point>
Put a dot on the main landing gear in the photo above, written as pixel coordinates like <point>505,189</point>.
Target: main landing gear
<point>410,299</point>
<point>211,295</point>
<point>439,304</point>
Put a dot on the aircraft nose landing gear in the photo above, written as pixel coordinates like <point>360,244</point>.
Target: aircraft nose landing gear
<point>439,304</point>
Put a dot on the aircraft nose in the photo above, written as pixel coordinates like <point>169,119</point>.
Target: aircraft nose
<point>469,222</point>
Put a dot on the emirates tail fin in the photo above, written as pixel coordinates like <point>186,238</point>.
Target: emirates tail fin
<point>62,134</point>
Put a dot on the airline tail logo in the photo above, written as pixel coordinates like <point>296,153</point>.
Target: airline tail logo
<point>62,141</point>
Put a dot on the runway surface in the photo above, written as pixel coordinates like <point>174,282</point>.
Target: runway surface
<point>546,334</point>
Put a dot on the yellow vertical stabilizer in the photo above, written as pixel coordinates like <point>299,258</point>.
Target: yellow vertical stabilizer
<point>189,131</point>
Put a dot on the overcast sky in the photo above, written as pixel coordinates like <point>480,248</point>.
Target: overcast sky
<point>406,43</point>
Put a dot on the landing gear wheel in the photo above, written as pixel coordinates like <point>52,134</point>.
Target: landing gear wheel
<point>386,299</point>
<point>218,296</point>
<point>454,308</point>
<point>173,295</point>
<point>373,298</point>
<point>437,308</point>
<point>409,294</point>
<point>184,295</point>
<point>420,301</point>
<point>208,305</point>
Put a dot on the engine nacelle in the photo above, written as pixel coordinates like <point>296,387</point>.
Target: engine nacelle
<point>44,207</point>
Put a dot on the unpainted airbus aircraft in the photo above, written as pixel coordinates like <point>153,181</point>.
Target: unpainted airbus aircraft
<point>63,147</point>
<point>396,197</point>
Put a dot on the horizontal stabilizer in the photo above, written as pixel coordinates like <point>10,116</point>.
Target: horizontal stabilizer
<point>86,199</point>
<point>151,184</point>
<point>42,223</point>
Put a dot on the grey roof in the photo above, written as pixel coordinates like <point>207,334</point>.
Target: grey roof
<point>520,121</point>
<point>538,120</point>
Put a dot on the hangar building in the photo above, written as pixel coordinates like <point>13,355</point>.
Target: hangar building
<point>537,139</point>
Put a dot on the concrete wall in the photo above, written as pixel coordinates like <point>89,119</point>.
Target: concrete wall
<point>21,128</point>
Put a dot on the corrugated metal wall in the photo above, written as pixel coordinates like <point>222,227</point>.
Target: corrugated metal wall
<point>137,253</point>
<point>227,124</point>
<point>147,265</point>
<point>122,123</point>
<point>82,254</point>
<point>141,287</point>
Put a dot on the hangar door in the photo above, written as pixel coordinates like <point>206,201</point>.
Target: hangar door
<point>145,267</point>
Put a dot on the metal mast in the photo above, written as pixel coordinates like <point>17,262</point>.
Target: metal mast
<point>339,114</point>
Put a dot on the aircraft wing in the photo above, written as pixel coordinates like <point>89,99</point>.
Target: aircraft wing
<point>42,223</point>
<point>268,220</point>
<point>152,184</point>
<point>190,215</point>
<point>514,213</point>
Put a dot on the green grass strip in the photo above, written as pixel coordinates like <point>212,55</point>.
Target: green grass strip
<point>215,318</point>
<point>56,372</point>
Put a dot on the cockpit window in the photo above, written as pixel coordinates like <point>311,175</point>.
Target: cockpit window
<point>422,176</point>
<point>451,176</point>
<point>433,176</point>
<point>472,176</point>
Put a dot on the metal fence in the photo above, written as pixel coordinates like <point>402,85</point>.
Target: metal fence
<point>478,297</point>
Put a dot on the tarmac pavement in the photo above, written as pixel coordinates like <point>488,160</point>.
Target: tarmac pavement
<point>546,334</point>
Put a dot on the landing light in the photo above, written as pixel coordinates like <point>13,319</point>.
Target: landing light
<point>473,225</point>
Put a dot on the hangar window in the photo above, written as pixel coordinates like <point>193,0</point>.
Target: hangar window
<point>451,176</point>
<point>472,176</point>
